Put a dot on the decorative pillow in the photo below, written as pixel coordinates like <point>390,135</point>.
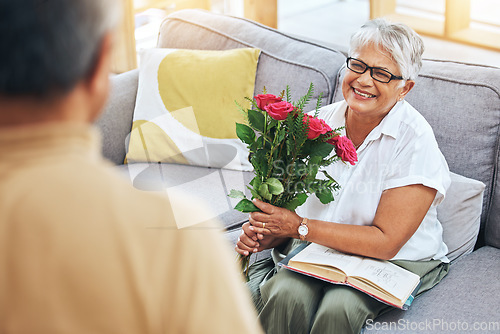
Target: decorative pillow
<point>460,214</point>
<point>186,107</point>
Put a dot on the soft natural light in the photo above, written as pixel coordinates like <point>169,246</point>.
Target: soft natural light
<point>476,40</point>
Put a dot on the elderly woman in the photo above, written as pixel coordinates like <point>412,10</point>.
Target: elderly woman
<point>386,208</point>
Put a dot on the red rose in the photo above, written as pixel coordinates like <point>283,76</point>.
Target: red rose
<point>264,99</point>
<point>279,110</point>
<point>345,149</point>
<point>317,127</point>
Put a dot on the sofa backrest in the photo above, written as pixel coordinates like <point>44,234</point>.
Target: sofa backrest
<point>283,60</point>
<point>462,104</point>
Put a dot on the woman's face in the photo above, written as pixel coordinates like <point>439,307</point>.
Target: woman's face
<point>370,98</point>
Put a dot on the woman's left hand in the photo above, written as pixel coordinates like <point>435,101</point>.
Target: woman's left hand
<point>275,221</point>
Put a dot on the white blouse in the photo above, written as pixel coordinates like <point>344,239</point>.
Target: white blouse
<point>400,151</point>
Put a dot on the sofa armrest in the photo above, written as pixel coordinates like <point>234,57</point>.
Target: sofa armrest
<point>115,122</point>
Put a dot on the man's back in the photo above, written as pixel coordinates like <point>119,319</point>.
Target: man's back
<point>81,251</point>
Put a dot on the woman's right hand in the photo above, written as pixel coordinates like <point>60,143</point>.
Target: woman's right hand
<point>250,242</point>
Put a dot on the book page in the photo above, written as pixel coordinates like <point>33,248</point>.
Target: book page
<point>393,279</point>
<point>322,255</point>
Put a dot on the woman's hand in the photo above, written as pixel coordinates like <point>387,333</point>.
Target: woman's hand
<point>251,242</point>
<point>248,241</point>
<point>274,221</point>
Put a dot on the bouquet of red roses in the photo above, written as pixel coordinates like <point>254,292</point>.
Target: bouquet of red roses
<point>288,149</point>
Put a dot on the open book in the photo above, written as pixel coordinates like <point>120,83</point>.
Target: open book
<point>382,280</point>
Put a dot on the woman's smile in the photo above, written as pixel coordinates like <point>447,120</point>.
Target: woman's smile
<point>363,93</point>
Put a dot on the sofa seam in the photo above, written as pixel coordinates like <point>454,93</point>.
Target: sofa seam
<point>322,73</point>
<point>463,82</point>
<point>337,81</point>
<point>460,62</point>
<point>235,226</point>
<point>494,178</point>
<point>495,89</point>
<point>257,24</point>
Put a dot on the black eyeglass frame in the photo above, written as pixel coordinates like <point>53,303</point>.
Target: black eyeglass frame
<point>393,77</point>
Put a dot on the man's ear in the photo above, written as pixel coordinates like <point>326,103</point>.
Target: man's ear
<point>406,89</point>
<point>97,83</point>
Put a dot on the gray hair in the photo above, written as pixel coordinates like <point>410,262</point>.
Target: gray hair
<point>403,44</point>
<point>50,45</point>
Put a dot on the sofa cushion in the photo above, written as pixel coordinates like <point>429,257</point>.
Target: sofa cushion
<point>465,301</point>
<point>115,122</point>
<point>460,215</point>
<point>210,185</point>
<point>284,60</point>
<point>462,104</point>
<point>185,108</point>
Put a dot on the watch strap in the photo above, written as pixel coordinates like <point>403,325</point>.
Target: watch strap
<point>303,223</point>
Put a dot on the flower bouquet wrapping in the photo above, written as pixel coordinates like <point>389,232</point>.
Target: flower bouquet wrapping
<point>289,150</point>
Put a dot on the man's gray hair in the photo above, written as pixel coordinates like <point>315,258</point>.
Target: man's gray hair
<point>403,44</point>
<point>50,45</point>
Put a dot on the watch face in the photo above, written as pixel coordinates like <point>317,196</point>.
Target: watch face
<point>303,230</point>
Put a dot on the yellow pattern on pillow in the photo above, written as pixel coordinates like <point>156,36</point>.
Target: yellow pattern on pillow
<point>148,142</point>
<point>216,80</point>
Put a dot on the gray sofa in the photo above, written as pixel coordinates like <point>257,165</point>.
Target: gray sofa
<point>460,101</point>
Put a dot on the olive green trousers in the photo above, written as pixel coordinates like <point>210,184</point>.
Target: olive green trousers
<point>289,302</point>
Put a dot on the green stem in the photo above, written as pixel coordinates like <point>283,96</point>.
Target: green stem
<point>273,148</point>
<point>265,138</point>
<point>245,264</point>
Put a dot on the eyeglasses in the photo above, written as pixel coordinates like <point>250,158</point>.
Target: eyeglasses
<point>376,73</point>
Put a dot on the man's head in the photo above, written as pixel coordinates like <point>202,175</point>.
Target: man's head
<point>50,46</point>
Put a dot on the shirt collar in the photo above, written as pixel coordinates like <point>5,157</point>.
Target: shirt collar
<point>389,124</point>
<point>48,140</point>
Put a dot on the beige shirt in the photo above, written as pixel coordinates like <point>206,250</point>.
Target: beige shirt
<point>82,251</point>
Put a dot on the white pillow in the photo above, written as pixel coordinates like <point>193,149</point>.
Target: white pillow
<point>460,215</point>
<point>185,109</point>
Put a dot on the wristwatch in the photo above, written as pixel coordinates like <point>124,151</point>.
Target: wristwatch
<point>303,229</point>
